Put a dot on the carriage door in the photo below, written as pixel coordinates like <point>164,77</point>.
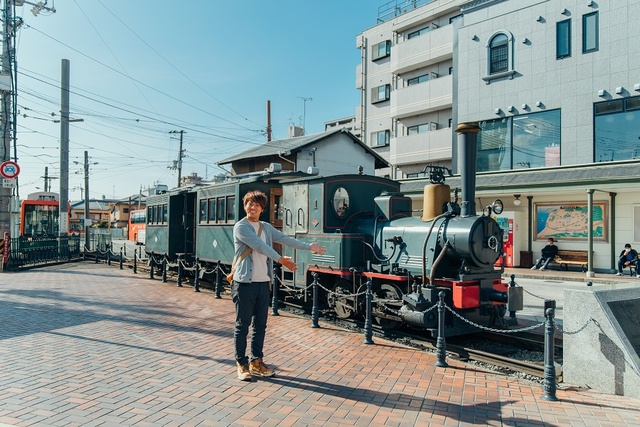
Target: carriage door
<point>276,212</point>
<point>295,208</point>
<point>296,214</point>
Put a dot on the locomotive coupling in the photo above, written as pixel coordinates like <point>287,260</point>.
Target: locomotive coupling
<point>428,320</point>
<point>495,296</point>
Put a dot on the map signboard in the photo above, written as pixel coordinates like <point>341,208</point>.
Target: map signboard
<point>569,221</point>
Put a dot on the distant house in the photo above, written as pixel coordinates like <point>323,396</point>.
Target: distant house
<point>120,210</point>
<point>98,212</point>
<point>333,152</point>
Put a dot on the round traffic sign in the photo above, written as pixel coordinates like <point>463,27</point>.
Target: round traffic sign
<point>9,169</point>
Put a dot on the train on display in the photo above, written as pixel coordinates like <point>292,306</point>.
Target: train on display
<point>370,234</point>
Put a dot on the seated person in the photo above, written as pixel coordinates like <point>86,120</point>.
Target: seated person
<point>549,252</point>
<point>627,258</point>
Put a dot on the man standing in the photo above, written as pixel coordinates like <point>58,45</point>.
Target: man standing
<point>628,257</point>
<point>254,256</point>
<point>549,252</point>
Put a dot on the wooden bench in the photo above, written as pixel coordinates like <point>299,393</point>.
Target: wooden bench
<point>565,258</point>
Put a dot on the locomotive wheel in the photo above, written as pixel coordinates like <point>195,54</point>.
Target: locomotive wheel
<point>340,299</point>
<point>392,292</point>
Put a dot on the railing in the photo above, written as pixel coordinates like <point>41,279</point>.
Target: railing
<point>30,251</point>
<point>397,7</point>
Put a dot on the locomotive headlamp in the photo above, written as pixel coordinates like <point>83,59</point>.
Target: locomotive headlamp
<point>497,206</point>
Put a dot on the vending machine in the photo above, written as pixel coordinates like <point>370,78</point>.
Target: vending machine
<point>506,224</point>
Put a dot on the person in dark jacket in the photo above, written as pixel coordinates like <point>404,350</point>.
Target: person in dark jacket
<point>627,258</point>
<point>549,252</point>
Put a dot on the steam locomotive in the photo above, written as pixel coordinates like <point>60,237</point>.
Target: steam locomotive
<point>369,232</point>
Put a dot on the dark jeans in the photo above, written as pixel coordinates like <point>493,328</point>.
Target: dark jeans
<point>621,265</point>
<point>252,304</point>
<point>545,260</point>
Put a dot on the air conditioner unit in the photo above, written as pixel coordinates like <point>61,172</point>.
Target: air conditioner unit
<point>434,26</point>
<point>433,75</point>
<point>433,126</point>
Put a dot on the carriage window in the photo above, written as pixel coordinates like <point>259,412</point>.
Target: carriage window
<point>221,209</point>
<point>212,210</point>
<point>341,202</point>
<point>165,209</point>
<point>203,211</point>
<point>231,203</point>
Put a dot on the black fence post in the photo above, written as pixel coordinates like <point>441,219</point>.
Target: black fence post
<point>314,309</point>
<point>512,283</point>
<point>135,262</point>
<point>368,321</point>
<point>164,270</point>
<point>196,280</point>
<point>121,258</point>
<point>179,284</point>
<point>218,280</point>
<point>274,290</point>
<point>549,383</point>
<point>151,263</point>
<point>441,345</point>
<point>108,255</point>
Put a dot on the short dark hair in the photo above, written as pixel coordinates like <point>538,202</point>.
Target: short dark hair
<point>551,239</point>
<point>256,197</point>
<point>627,245</point>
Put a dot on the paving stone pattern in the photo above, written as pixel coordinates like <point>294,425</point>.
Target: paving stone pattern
<point>91,345</point>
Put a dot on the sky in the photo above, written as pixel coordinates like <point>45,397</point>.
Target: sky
<point>141,71</point>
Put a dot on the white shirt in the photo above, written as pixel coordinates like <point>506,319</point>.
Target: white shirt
<point>260,272</point>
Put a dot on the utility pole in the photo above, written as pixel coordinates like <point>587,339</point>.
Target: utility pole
<point>8,105</point>
<point>180,156</point>
<point>63,222</point>
<point>268,120</point>
<point>87,237</point>
<point>6,77</point>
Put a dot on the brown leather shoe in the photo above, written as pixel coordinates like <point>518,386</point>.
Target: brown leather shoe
<point>257,367</point>
<point>243,372</point>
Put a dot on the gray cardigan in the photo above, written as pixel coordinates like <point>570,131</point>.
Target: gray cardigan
<point>244,236</point>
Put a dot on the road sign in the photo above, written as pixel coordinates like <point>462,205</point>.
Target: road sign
<point>9,169</point>
<point>8,183</point>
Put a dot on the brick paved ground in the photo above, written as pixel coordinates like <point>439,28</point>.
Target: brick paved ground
<point>87,344</point>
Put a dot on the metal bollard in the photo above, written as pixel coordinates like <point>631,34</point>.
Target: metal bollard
<point>135,262</point>
<point>274,290</point>
<point>179,284</point>
<point>441,345</point>
<point>549,383</point>
<point>121,259</point>
<point>368,321</point>
<point>96,255</point>
<point>196,280</point>
<point>512,283</point>
<point>314,309</point>
<point>218,280</point>
<point>108,255</point>
<point>151,262</point>
<point>164,270</point>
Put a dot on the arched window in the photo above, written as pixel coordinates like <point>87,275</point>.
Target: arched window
<point>499,54</point>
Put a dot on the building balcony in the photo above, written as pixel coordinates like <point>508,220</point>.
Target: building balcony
<point>421,148</point>
<point>431,48</point>
<point>434,95</point>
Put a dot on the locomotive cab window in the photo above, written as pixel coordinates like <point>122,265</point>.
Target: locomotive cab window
<point>341,202</point>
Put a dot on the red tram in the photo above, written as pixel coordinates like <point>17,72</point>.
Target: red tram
<point>40,215</point>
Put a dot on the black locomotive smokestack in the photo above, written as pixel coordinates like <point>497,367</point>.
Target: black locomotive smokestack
<point>468,152</point>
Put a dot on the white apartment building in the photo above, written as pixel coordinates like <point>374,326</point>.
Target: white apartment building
<point>555,88</point>
<point>406,81</point>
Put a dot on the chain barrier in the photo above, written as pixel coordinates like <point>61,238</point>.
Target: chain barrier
<point>581,328</point>
<point>505,331</point>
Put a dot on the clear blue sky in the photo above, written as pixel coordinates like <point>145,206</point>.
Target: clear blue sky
<point>140,69</point>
